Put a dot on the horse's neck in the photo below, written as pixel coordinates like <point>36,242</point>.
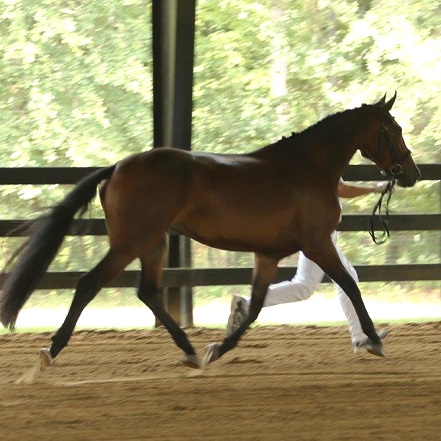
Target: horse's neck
<point>325,148</point>
<point>333,143</point>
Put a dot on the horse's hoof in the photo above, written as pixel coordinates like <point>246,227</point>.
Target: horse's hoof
<point>375,349</point>
<point>45,359</point>
<point>191,361</point>
<point>212,353</point>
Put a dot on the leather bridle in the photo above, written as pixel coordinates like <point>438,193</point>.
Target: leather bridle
<point>395,171</point>
<point>396,168</point>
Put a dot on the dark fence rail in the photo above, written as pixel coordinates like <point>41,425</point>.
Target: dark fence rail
<point>350,222</point>
<point>178,277</point>
<point>71,175</point>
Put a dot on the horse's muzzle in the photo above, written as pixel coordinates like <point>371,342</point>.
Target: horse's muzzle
<point>407,177</point>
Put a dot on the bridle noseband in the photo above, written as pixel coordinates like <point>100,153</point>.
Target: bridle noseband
<point>396,168</point>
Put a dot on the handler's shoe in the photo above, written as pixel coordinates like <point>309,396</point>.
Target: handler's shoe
<point>364,345</point>
<point>239,310</point>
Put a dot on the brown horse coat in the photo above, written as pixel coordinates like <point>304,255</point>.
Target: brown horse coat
<point>273,202</point>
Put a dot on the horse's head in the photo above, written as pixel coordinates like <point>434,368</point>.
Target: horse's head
<point>388,150</point>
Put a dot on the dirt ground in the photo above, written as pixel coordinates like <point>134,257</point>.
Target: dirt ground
<point>281,383</point>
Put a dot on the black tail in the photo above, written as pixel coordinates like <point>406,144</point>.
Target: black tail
<point>39,250</point>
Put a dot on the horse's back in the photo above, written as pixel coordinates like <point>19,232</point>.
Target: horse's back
<point>164,168</point>
<point>237,202</point>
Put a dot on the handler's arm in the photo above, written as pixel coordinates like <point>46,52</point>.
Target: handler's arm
<point>352,191</point>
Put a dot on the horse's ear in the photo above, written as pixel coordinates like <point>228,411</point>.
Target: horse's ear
<point>390,103</point>
<point>381,102</point>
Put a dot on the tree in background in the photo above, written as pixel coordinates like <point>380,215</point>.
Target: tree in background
<point>331,55</point>
<point>76,81</point>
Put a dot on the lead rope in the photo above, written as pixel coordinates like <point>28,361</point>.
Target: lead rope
<point>384,219</point>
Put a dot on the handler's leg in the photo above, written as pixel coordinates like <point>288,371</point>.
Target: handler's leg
<point>265,269</point>
<point>359,340</point>
<point>327,257</point>
<point>346,304</point>
<point>306,280</point>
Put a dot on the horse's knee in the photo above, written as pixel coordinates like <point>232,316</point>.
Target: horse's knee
<point>149,296</point>
<point>86,289</point>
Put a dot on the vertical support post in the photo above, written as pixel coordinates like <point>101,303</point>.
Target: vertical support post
<point>173,23</point>
<point>439,211</point>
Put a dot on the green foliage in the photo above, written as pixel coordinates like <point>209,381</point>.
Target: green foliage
<point>76,82</point>
<point>313,59</point>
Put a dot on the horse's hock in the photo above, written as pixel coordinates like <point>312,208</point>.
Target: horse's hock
<point>285,383</point>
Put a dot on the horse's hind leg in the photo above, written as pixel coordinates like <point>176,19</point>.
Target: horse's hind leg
<point>148,293</point>
<point>265,269</point>
<point>87,288</point>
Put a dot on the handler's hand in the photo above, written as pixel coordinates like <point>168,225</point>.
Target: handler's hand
<point>380,187</point>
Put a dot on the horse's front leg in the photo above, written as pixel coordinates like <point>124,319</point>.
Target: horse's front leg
<point>265,270</point>
<point>327,258</point>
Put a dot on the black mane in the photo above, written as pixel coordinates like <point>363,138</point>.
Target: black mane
<point>323,122</point>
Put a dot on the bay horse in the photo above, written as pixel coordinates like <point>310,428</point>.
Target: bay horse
<point>272,202</point>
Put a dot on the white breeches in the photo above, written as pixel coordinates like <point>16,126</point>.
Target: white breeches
<point>306,281</point>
